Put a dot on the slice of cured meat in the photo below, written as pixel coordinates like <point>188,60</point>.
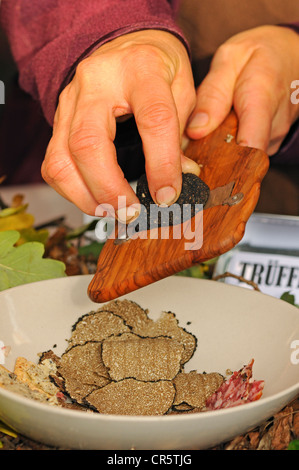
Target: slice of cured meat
<point>238,389</point>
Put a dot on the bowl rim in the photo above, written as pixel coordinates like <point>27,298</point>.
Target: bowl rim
<point>53,409</point>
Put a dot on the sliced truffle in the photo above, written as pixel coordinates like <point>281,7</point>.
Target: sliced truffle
<point>82,370</point>
<point>193,388</point>
<point>193,197</point>
<point>133,397</point>
<point>78,390</point>
<point>132,314</point>
<point>97,326</point>
<point>167,325</point>
<point>145,359</point>
<point>138,321</point>
<point>84,363</point>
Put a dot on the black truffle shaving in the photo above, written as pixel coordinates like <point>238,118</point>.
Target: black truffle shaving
<point>192,199</point>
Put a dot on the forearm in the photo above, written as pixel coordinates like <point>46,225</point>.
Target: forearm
<point>48,39</point>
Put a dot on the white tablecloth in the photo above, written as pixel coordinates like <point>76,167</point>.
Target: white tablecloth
<point>44,203</point>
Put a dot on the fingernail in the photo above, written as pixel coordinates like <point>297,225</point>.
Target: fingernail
<point>184,143</point>
<point>104,210</point>
<point>166,196</point>
<point>243,143</point>
<point>128,214</point>
<point>199,120</point>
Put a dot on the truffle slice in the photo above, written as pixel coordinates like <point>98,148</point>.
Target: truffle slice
<point>193,197</point>
<point>193,388</point>
<point>82,370</point>
<point>77,390</point>
<point>167,325</point>
<point>132,314</point>
<point>133,397</point>
<point>84,363</point>
<point>138,321</point>
<point>147,359</point>
<point>96,326</point>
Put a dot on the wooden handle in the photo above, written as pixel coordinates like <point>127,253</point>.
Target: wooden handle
<point>138,262</point>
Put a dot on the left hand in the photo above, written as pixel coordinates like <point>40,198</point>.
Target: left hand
<point>251,72</point>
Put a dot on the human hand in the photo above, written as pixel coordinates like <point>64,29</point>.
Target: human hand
<point>146,74</point>
<point>251,72</point>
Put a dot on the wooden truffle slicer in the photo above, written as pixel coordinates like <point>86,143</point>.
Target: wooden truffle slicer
<point>233,174</point>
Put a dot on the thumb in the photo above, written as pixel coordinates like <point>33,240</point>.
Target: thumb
<point>214,101</point>
<point>215,95</point>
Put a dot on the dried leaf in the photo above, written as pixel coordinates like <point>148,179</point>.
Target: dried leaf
<point>236,444</point>
<point>296,425</point>
<point>265,442</point>
<point>17,200</point>
<point>254,439</point>
<point>281,431</point>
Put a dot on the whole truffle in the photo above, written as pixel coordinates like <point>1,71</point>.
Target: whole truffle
<point>193,197</point>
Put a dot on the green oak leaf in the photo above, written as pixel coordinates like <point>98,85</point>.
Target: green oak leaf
<point>25,263</point>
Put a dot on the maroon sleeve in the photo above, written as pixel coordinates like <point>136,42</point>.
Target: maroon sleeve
<point>288,154</point>
<point>294,26</point>
<point>49,37</point>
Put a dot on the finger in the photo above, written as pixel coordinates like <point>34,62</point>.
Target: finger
<point>184,95</point>
<point>92,133</point>
<point>158,124</point>
<point>58,168</point>
<point>59,171</point>
<point>255,105</point>
<point>214,99</point>
<point>255,119</point>
<point>281,124</point>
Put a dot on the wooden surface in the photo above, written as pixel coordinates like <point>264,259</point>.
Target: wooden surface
<point>125,267</point>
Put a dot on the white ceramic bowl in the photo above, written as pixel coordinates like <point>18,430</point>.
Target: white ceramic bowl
<point>232,325</point>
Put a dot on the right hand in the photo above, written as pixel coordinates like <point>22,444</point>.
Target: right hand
<point>147,74</point>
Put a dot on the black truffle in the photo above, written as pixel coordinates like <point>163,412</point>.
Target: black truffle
<point>192,199</point>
